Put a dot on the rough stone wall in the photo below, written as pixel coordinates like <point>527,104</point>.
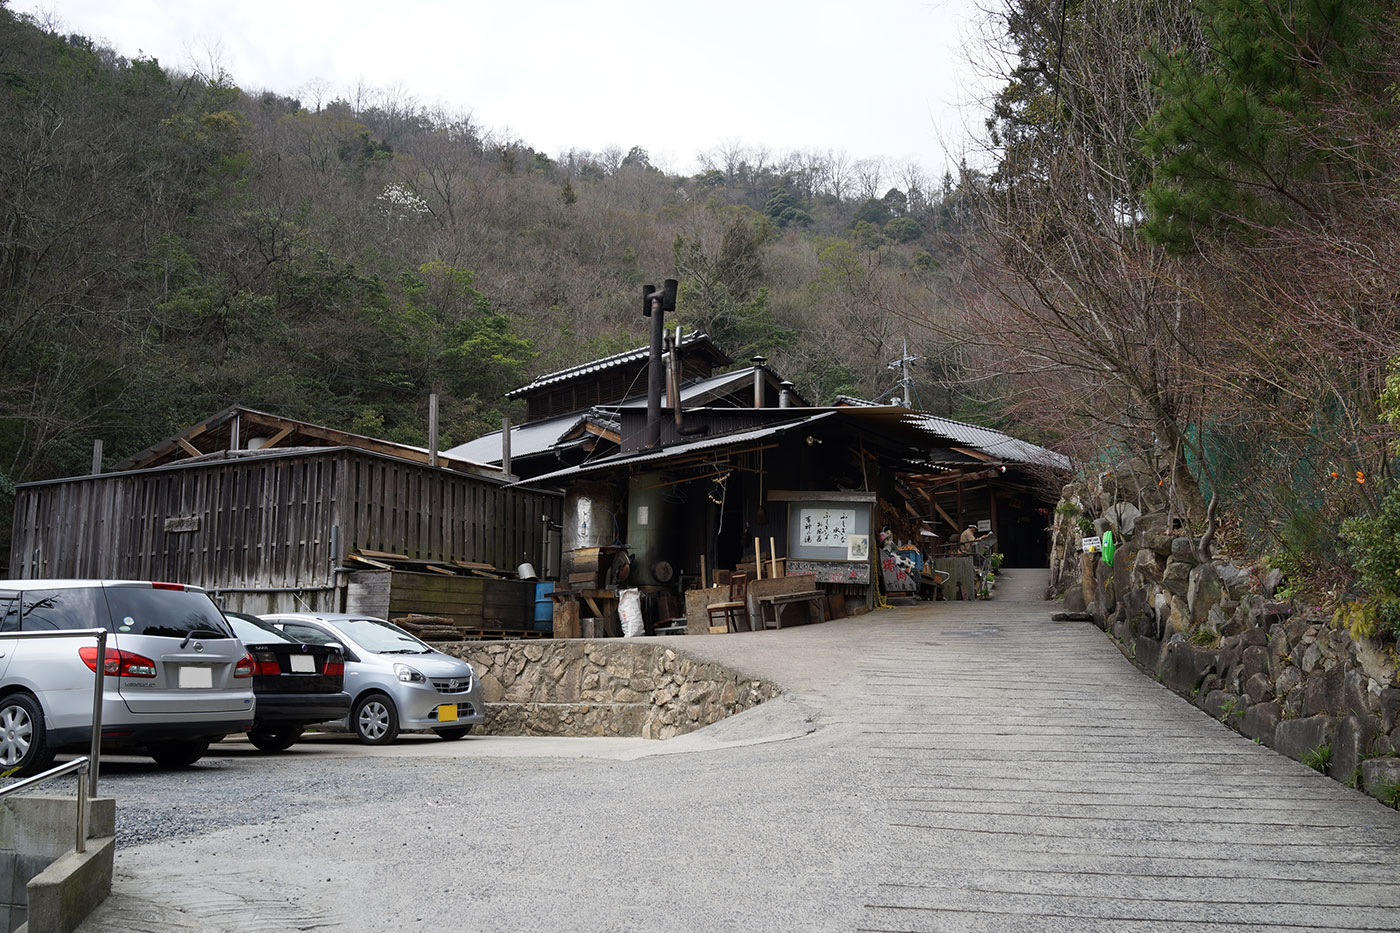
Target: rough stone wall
<point>614,687</point>
<point>1210,631</point>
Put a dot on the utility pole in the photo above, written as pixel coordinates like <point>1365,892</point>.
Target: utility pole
<point>906,381</point>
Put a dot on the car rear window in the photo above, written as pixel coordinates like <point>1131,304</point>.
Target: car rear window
<point>256,631</point>
<point>63,609</point>
<point>144,610</point>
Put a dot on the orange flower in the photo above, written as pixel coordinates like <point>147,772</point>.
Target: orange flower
<point>1334,474</point>
<point>1360,477</point>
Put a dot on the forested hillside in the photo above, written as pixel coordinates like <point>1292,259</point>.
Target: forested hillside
<point>1181,266</point>
<point>170,245</point>
<point>1190,257</point>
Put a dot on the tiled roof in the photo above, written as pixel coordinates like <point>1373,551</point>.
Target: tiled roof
<point>692,339</point>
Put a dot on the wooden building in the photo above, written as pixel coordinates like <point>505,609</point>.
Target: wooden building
<point>271,528</point>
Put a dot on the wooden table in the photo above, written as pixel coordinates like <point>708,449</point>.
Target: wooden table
<point>779,602</point>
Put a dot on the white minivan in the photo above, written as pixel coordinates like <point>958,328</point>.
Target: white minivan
<point>175,677</point>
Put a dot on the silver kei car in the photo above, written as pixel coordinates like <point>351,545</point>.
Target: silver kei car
<point>174,678</point>
<point>395,681</point>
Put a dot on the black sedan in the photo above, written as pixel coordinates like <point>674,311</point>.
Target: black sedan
<point>294,684</point>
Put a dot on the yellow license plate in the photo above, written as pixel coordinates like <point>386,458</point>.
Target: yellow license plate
<point>447,712</point>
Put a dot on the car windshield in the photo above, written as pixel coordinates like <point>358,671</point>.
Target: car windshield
<point>381,637</point>
<point>256,631</point>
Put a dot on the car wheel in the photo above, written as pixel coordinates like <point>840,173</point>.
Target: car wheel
<point>178,753</point>
<point>375,719</point>
<point>275,739</point>
<point>24,747</point>
<point>455,732</point>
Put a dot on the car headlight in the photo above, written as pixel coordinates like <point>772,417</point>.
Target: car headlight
<point>408,675</point>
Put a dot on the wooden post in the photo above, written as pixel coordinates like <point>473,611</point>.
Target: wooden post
<point>433,429</point>
<point>704,574</point>
<point>773,557</point>
<point>96,464</point>
<point>505,446</point>
<point>758,558</point>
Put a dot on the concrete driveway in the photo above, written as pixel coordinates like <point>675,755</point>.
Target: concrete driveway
<point>957,766</point>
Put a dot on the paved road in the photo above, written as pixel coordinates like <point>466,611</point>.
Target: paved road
<point>962,767</point>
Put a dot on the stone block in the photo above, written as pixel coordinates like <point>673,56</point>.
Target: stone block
<point>1203,592</point>
<point>1176,578</point>
<point>1296,629</point>
<point>1225,706</point>
<point>1260,721</point>
<point>1296,737</point>
<point>1380,777</point>
<point>1322,692</point>
<point>1351,743</point>
<point>1178,619</point>
<point>1160,543</point>
<point>1216,619</point>
<point>1390,706</point>
<point>1148,653</point>
<point>1148,568</point>
<point>1357,699</point>
<point>1074,598</point>
<point>1255,660</point>
<point>1271,581</point>
<point>1184,550</point>
<point>1235,580</point>
<point>1289,680</point>
<point>1258,688</point>
<point>1228,654</point>
<point>1184,666</point>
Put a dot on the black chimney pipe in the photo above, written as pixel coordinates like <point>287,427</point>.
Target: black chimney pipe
<point>655,304</point>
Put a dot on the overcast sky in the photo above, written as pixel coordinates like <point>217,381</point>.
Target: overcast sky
<point>877,78</point>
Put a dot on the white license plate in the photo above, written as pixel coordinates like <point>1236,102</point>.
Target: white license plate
<point>196,677</point>
<point>303,664</point>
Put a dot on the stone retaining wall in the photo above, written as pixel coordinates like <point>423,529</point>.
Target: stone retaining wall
<point>1210,631</point>
<point>574,687</point>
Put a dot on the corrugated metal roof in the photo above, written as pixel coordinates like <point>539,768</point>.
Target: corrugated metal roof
<point>525,440</point>
<point>675,450</point>
<point>536,437</point>
<point>691,339</point>
<point>988,440</point>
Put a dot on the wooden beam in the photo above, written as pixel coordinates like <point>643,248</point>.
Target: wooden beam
<point>946,517</point>
<point>189,448</point>
<point>807,495</point>
<point>277,438</point>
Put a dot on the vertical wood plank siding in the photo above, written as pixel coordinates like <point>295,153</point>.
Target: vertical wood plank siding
<point>265,523</point>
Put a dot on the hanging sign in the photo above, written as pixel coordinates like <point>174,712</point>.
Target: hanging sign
<point>1092,545</point>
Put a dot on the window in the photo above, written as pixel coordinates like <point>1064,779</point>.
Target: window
<point>307,634</point>
<point>62,609</point>
<point>9,612</point>
<point>145,610</point>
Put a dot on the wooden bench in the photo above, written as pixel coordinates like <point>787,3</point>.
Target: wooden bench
<point>779,602</point>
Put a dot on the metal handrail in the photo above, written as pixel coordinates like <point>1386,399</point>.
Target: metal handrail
<point>101,635</point>
<point>77,764</point>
